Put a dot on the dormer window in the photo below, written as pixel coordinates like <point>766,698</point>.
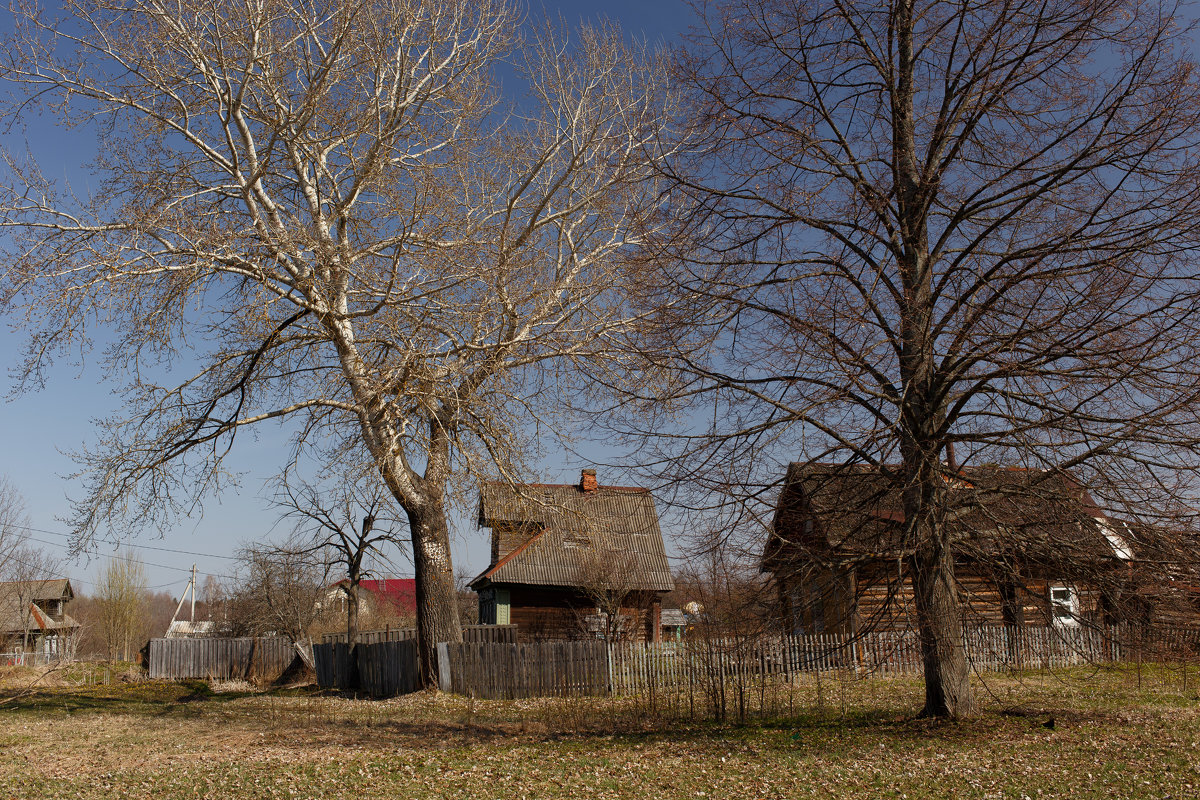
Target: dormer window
<point>1118,544</point>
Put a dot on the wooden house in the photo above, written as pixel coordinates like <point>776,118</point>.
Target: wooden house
<point>34,618</point>
<point>1029,547</point>
<point>572,561</point>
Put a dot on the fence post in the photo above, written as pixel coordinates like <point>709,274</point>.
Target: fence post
<point>443,654</point>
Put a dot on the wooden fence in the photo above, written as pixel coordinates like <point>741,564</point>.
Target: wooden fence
<point>261,659</point>
<point>471,633</point>
<point>640,667</point>
<point>535,669</point>
<point>700,666</point>
<point>386,668</point>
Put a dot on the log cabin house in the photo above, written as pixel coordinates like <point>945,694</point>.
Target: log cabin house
<point>573,561</point>
<point>1029,547</point>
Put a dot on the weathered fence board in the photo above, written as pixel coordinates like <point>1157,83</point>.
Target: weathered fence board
<point>712,667</point>
<point>385,669</point>
<point>471,633</point>
<point>262,659</point>
<point>532,669</point>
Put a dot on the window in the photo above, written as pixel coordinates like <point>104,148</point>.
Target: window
<point>1064,606</point>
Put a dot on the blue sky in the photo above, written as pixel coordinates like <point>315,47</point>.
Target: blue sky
<point>40,427</point>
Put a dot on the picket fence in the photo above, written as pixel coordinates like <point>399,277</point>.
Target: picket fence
<point>260,659</point>
<point>638,668</point>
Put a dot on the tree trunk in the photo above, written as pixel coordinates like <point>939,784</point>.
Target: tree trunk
<point>1014,619</point>
<point>437,602</point>
<point>939,622</point>
<point>922,412</point>
<point>352,676</point>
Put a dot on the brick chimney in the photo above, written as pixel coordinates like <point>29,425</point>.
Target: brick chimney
<point>587,481</point>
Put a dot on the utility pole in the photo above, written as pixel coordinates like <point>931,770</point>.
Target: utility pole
<point>191,587</point>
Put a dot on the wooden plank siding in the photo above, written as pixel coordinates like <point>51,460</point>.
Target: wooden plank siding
<point>557,614</point>
<point>873,598</point>
<point>258,659</point>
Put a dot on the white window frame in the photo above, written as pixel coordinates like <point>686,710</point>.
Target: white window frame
<point>1068,604</point>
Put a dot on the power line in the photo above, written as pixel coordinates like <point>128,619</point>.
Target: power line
<point>125,558</point>
<point>56,575</point>
<point>134,546</point>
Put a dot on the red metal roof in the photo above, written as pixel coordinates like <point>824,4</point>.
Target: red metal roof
<point>401,593</point>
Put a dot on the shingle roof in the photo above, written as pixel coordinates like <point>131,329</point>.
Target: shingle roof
<point>1034,515</point>
<point>568,529</point>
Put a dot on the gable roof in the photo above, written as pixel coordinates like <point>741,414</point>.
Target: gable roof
<point>567,528</point>
<point>47,589</point>
<point>857,510</point>
<point>20,607</point>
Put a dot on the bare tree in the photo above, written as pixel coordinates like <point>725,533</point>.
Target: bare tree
<point>120,604</point>
<point>929,227</point>
<point>279,593</point>
<point>608,578</point>
<point>14,524</point>
<point>732,613</point>
<point>328,214</point>
<point>342,532</point>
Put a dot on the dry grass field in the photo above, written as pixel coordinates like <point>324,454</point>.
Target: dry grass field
<point>1111,737</point>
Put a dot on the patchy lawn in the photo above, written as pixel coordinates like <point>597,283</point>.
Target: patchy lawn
<point>1110,738</point>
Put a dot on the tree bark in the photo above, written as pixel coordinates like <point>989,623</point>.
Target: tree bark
<point>939,621</point>
<point>352,678</point>
<point>1014,618</point>
<point>437,609</point>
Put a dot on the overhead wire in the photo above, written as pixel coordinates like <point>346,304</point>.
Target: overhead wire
<point>135,546</point>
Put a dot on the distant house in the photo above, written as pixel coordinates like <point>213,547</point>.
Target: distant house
<point>1028,548</point>
<point>674,624</point>
<point>573,560</point>
<point>385,597</point>
<point>34,618</point>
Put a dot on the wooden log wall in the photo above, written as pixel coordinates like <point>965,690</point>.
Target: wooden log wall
<point>257,659</point>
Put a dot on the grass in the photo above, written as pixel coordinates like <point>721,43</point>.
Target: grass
<point>1111,738</point>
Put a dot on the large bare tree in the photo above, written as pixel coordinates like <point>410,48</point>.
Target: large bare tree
<point>327,214</point>
<point>922,227</point>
